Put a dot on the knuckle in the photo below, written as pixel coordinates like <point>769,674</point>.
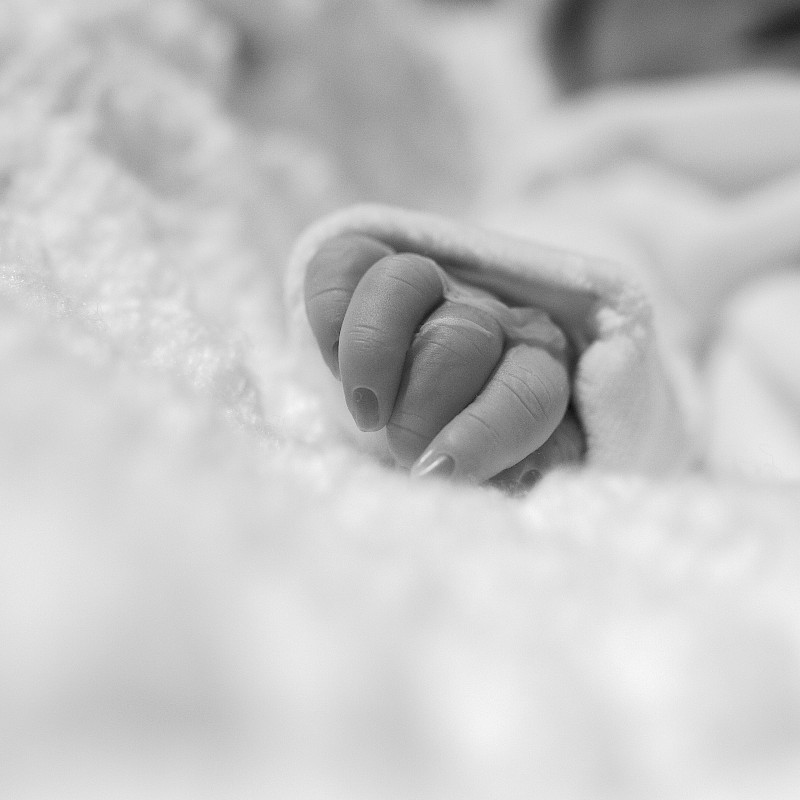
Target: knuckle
<point>532,392</point>
<point>406,422</point>
<point>462,337</point>
<point>455,352</point>
<point>484,427</point>
<point>342,261</point>
<point>403,428</point>
<point>539,385</point>
<point>348,248</point>
<point>365,334</point>
<point>543,392</point>
<point>407,435</point>
<point>327,307</point>
<point>371,341</point>
<point>414,272</point>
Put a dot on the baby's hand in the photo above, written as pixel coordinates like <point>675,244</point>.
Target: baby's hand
<point>456,398</point>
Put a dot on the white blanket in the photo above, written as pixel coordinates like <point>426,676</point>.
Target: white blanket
<point>207,591</point>
<point>694,188</point>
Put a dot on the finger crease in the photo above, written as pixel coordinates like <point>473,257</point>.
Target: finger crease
<point>530,405</point>
<point>426,293</point>
<point>399,426</point>
<point>492,432</point>
<point>448,349</point>
<point>547,390</point>
<point>455,322</point>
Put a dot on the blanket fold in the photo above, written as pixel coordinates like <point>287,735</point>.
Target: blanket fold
<point>634,416</point>
<point>693,186</point>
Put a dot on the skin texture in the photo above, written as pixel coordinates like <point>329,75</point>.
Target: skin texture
<point>456,397</point>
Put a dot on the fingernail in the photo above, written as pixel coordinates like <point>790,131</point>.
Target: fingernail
<point>365,408</point>
<point>529,479</point>
<point>437,464</point>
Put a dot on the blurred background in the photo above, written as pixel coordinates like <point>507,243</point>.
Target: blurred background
<point>415,99</point>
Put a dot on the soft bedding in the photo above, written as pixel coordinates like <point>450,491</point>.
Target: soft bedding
<point>207,591</point>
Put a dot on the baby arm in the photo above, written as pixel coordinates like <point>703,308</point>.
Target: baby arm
<point>457,395</point>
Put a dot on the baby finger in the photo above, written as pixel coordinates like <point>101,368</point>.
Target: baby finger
<point>515,414</point>
<point>387,306</point>
<point>451,358</point>
<point>331,279</point>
